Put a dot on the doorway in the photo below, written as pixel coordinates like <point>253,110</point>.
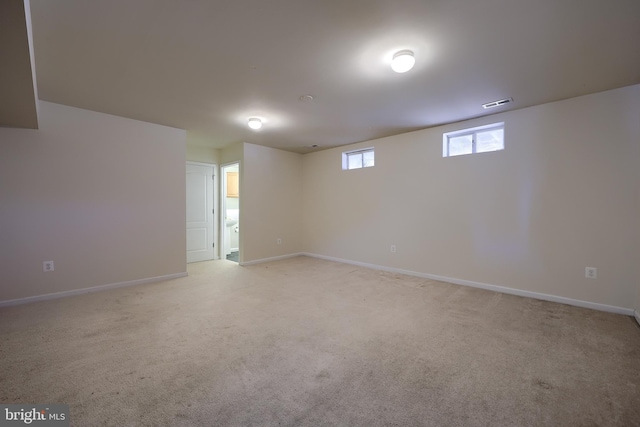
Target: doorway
<point>200,212</point>
<point>230,224</point>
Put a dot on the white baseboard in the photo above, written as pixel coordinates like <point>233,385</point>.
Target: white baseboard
<point>496,288</point>
<point>636,314</point>
<point>62,294</point>
<point>275,258</point>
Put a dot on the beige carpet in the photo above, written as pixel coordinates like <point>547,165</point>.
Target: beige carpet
<point>306,342</point>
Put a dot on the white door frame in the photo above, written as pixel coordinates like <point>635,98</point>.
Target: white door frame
<point>223,208</point>
<point>214,210</point>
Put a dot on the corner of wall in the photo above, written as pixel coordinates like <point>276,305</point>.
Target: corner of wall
<point>271,209</point>
<point>99,227</point>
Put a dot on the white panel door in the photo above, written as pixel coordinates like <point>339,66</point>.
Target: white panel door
<point>199,212</point>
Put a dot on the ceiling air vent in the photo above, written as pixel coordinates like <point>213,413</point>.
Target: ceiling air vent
<point>495,104</point>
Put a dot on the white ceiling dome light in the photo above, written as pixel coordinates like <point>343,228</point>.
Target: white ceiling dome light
<point>403,61</point>
<point>255,123</point>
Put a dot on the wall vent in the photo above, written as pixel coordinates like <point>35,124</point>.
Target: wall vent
<point>495,104</point>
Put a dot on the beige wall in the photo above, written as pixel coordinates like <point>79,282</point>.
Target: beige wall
<point>231,154</point>
<point>84,192</point>
<point>202,154</point>
<point>561,197</point>
<point>101,196</point>
<point>270,197</point>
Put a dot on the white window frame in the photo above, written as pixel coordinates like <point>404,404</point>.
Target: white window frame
<point>473,133</point>
<point>362,151</point>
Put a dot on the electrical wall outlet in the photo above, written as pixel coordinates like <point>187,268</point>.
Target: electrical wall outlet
<point>47,266</point>
<point>393,248</point>
<point>279,241</point>
<point>590,273</point>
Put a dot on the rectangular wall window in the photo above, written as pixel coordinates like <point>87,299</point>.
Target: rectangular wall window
<point>358,159</point>
<point>480,139</point>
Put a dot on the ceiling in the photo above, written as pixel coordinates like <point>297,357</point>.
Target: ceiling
<point>207,66</point>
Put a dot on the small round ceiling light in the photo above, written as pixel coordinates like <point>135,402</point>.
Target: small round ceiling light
<point>403,61</point>
<point>306,98</point>
<point>255,123</point>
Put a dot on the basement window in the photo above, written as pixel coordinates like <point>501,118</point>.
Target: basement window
<point>358,159</point>
<point>482,139</point>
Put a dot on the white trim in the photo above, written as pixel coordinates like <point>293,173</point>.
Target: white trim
<point>636,314</point>
<point>191,162</point>
<point>495,288</point>
<point>275,258</point>
<point>100,288</point>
